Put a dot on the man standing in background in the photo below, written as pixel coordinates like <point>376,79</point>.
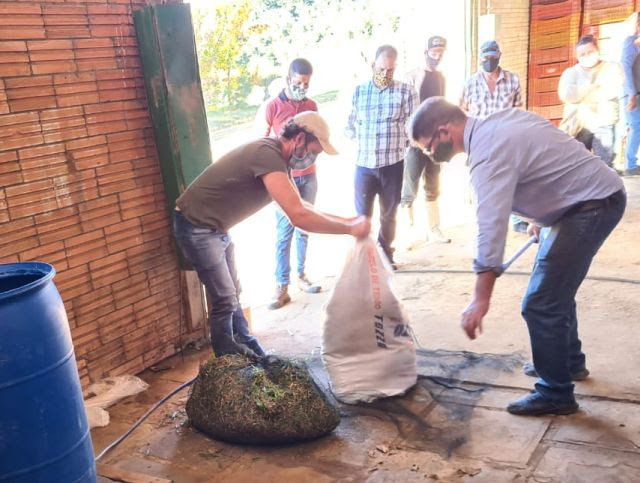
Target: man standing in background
<point>427,82</point>
<point>590,91</point>
<point>631,67</point>
<point>490,90</point>
<point>291,101</point>
<point>379,111</point>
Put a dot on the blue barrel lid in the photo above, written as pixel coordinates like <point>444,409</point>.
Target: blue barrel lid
<point>42,270</point>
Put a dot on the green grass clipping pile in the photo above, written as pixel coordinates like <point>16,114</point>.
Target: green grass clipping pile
<point>265,402</point>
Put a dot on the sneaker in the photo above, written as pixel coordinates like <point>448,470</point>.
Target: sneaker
<point>280,298</point>
<point>632,172</point>
<point>436,236</point>
<point>306,286</point>
<point>579,375</point>
<point>535,404</point>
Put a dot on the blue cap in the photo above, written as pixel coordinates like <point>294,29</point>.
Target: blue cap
<point>490,47</point>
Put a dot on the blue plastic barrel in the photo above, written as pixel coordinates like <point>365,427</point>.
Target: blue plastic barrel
<point>44,435</point>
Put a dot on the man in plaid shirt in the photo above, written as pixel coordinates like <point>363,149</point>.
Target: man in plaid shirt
<point>380,110</point>
<point>490,90</point>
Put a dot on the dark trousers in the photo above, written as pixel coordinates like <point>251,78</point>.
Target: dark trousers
<point>549,306</point>
<point>212,255</point>
<point>417,165</point>
<point>386,182</point>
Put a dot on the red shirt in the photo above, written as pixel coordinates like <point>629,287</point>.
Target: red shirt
<point>279,110</point>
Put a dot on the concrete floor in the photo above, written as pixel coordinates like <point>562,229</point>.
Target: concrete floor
<point>455,433</point>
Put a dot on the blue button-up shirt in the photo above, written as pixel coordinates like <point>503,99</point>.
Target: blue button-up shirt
<point>377,122</point>
<point>630,61</point>
<point>519,162</point>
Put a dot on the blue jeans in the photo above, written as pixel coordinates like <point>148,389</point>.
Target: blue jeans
<point>308,187</point>
<point>549,307</point>
<point>633,138</point>
<point>211,253</point>
<point>386,182</point>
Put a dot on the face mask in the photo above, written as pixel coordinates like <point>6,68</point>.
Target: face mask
<point>432,63</point>
<point>303,162</point>
<point>444,152</point>
<point>297,92</point>
<point>490,64</point>
<point>589,61</point>
<point>301,158</point>
<point>380,80</point>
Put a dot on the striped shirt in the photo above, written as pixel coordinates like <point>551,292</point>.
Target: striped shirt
<point>377,122</point>
<point>478,101</point>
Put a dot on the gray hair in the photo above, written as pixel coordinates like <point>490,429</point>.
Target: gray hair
<point>431,114</point>
<point>388,50</point>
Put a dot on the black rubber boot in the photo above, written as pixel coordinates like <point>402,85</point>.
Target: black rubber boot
<point>254,345</point>
<point>222,340</point>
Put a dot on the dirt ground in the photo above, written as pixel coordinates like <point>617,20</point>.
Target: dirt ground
<point>452,425</point>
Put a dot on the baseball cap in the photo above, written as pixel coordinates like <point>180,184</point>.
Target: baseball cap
<point>313,123</point>
<point>490,47</point>
<point>436,41</point>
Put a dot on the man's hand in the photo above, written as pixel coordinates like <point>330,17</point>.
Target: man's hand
<point>479,306</point>
<point>360,226</point>
<point>472,317</point>
<point>534,230</point>
<point>631,104</point>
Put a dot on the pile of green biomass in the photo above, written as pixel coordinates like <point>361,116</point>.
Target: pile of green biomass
<point>267,401</point>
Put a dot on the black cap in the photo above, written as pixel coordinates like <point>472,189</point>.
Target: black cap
<point>436,41</point>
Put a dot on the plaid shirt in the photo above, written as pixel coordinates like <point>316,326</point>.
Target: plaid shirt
<point>377,122</point>
<point>478,101</point>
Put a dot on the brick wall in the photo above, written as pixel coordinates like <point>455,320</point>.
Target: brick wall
<point>80,185</point>
<point>512,34</point>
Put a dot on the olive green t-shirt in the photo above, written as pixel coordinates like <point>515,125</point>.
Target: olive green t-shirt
<point>231,189</point>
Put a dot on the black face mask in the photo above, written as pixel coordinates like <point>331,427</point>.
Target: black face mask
<point>490,64</point>
<point>444,152</point>
<point>432,63</point>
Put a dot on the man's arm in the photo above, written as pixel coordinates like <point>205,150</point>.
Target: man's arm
<point>350,130</point>
<point>569,91</point>
<point>268,117</point>
<point>517,99</point>
<point>411,103</point>
<point>464,99</point>
<point>479,306</point>
<point>494,180</point>
<point>629,54</point>
<point>304,215</point>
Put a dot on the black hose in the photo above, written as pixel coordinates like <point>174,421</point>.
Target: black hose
<point>143,417</point>
<point>460,271</point>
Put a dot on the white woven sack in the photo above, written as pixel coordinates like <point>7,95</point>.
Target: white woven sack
<point>367,348</point>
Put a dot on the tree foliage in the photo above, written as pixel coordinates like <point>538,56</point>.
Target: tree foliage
<point>249,42</point>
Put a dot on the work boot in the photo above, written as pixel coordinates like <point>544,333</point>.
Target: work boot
<point>306,286</point>
<point>535,404</point>
<point>280,298</point>
<point>222,340</point>
<point>433,221</point>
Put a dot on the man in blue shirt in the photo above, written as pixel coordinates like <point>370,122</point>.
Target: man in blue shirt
<point>520,163</point>
<point>380,109</point>
<point>630,61</point>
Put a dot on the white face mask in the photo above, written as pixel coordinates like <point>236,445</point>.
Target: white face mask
<point>589,61</point>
